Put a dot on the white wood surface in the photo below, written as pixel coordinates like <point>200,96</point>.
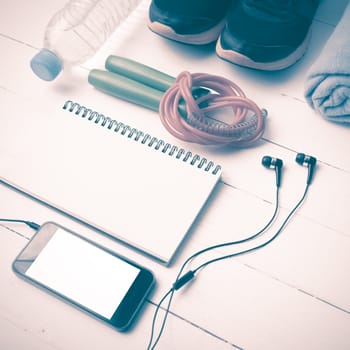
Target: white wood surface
<point>293,294</point>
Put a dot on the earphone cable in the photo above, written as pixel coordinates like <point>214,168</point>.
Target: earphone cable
<point>284,223</point>
<point>158,306</point>
<point>244,240</point>
<point>31,224</point>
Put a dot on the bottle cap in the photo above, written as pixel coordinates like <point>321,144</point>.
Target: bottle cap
<point>46,65</point>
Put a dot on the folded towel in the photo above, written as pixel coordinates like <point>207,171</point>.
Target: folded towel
<point>327,86</point>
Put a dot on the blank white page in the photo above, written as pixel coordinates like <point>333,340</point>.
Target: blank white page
<point>127,189</point>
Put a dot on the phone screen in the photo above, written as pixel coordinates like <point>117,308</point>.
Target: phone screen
<point>85,274</point>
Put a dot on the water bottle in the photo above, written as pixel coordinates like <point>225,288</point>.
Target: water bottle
<point>76,32</point>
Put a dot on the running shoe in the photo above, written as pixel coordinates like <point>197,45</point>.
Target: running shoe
<point>267,34</point>
<point>195,22</point>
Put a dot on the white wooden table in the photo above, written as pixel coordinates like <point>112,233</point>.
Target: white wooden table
<point>293,294</point>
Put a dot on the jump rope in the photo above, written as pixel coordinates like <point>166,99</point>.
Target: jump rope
<point>188,105</point>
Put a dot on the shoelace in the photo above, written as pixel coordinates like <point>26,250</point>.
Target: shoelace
<point>248,120</point>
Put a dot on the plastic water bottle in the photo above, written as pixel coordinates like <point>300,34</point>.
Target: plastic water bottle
<point>76,32</point>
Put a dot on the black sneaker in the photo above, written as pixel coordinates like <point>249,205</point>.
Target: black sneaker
<point>267,34</point>
<point>189,21</point>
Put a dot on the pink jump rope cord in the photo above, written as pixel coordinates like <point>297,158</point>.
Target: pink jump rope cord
<point>245,129</point>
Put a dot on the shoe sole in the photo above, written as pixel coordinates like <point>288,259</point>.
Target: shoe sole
<point>242,60</point>
<point>202,38</point>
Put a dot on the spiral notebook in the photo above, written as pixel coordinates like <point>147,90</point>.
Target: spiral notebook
<point>126,183</point>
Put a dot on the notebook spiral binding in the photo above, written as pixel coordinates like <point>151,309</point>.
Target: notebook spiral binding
<point>140,136</point>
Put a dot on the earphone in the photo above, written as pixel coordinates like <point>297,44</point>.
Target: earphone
<point>182,279</point>
<point>310,161</point>
<point>301,159</point>
<point>274,163</point>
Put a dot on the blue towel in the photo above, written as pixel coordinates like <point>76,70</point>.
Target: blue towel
<point>327,86</point>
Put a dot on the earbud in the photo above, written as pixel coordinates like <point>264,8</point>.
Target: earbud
<point>274,163</point>
<point>303,159</point>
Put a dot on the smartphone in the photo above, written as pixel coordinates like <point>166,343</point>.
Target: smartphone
<point>88,276</point>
